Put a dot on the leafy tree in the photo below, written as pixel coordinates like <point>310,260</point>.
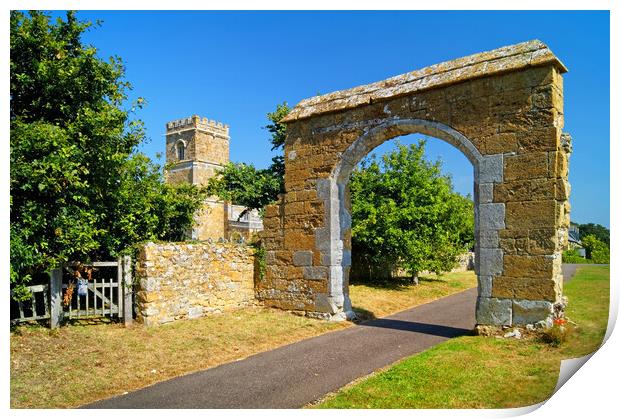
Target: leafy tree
<point>277,129</point>
<point>405,215</point>
<point>253,188</point>
<point>596,250</point>
<point>78,190</point>
<point>597,230</point>
<point>278,136</point>
<point>245,185</point>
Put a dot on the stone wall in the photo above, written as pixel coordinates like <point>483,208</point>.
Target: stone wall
<point>181,280</point>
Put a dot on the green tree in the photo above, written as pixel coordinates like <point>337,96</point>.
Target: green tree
<point>245,185</point>
<point>601,232</point>
<point>78,190</point>
<point>253,188</point>
<point>596,250</point>
<point>276,128</point>
<point>405,215</point>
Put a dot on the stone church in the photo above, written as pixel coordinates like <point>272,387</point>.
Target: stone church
<point>196,148</point>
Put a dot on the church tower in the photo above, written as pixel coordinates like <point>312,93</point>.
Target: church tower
<point>195,149</point>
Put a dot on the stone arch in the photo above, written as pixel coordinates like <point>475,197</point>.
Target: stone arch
<point>333,189</point>
<point>503,109</point>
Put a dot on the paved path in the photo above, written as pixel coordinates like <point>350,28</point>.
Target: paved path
<point>568,270</point>
<point>296,374</point>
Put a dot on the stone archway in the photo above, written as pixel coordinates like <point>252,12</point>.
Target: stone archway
<point>502,109</point>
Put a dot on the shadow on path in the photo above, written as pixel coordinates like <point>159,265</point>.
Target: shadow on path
<point>409,326</point>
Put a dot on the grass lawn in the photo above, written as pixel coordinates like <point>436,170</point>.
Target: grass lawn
<point>371,301</point>
<point>75,365</point>
<point>487,372</point>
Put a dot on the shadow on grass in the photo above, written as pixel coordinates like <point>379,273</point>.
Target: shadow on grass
<point>396,283</point>
<point>18,327</point>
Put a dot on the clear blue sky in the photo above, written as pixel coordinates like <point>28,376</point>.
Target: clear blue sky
<point>236,66</point>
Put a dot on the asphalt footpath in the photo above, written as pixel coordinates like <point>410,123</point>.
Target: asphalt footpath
<point>568,270</point>
<point>300,373</point>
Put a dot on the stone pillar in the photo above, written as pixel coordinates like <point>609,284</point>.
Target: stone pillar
<point>534,193</point>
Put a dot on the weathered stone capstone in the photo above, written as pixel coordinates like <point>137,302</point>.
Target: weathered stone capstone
<point>503,109</point>
<point>182,280</point>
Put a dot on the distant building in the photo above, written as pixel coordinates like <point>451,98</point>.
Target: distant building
<point>196,148</point>
<point>574,240</point>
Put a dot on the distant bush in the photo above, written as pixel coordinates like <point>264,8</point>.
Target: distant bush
<point>572,256</point>
<point>600,255</point>
<point>596,250</point>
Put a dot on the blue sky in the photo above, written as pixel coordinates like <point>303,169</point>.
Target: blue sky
<point>236,66</point>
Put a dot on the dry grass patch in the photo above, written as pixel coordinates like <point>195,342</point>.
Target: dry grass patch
<point>382,300</point>
<point>79,364</point>
<point>76,365</point>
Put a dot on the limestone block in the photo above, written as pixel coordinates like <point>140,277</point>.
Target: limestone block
<point>488,239</point>
<point>315,272</point>
<point>491,216</point>
<point>323,237</point>
<point>530,312</point>
<point>491,169</point>
<point>490,261</point>
<point>526,166</point>
<point>530,215</point>
<point>519,266</point>
<point>485,193</point>
<point>485,284</point>
<point>195,312</point>
<point>302,258</point>
<point>493,311</point>
<point>524,288</point>
<point>325,304</point>
<point>346,257</point>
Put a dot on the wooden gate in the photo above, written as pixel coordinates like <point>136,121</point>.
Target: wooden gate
<point>108,294</point>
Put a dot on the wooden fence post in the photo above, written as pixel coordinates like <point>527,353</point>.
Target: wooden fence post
<point>55,297</point>
<point>127,292</point>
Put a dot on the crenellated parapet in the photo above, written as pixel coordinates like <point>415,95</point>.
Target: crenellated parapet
<point>197,122</point>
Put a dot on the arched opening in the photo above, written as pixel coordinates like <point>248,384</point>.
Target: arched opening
<point>180,150</point>
<point>412,230</point>
<point>338,218</point>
